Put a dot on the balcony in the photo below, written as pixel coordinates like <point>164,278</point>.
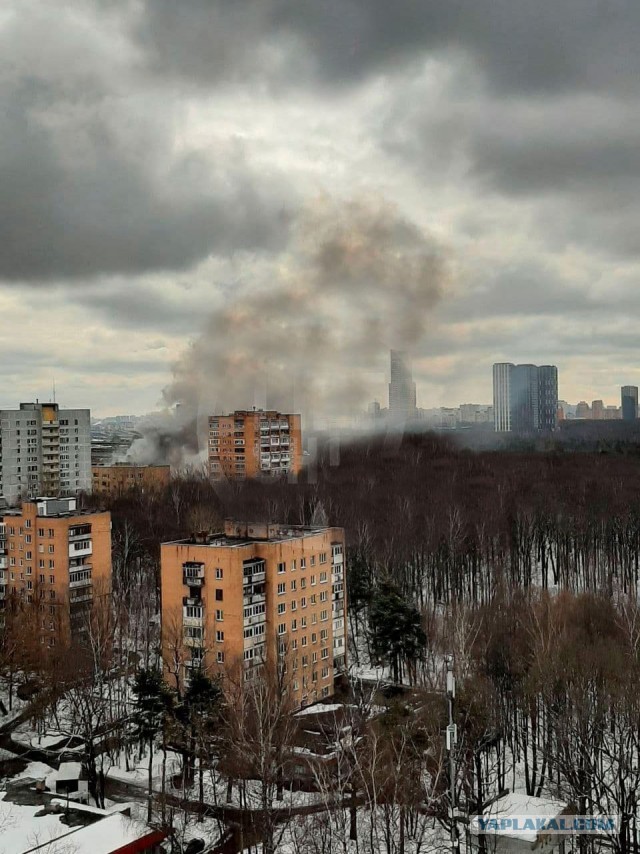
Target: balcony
<point>193,622</point>
<point>81,582</point>
<point>193,574</point>
<point>80,598</point>
<point>80,548</point>
<point>197,642</point>
<point>4,562</point>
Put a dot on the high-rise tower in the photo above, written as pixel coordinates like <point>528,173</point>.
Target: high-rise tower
<point>402,389</point>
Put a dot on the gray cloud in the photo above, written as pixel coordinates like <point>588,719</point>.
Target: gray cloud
<point>542,46</point>
<point>89,176</point>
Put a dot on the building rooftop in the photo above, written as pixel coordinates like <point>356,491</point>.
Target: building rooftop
<point>52,508</point>
<point>238,534</point>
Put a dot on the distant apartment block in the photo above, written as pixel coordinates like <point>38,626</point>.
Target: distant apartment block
<point>254,443</point>
<point>402,389</point>
<point>120,478</point>
<point>57,556</point>
<point>44,450</point>
<point>525,398</point>
<point>629,400</point>
<point>235,600</point>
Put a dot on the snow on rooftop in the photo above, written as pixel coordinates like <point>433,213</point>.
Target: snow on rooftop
<point>517,804</point>
<point>108,835</point>
<point>319,709</point>
<point>23,830</point>
<point>69,771</point>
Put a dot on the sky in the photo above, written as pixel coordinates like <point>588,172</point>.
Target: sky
<point>176,175</point>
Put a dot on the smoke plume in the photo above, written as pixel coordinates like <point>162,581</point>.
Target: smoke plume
<point>356,280</point>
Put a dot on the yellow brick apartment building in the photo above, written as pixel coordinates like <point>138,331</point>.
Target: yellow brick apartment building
<point>119,478</point>
<point>53,554</point>
<point>254,443</point>
<point>237,598</point>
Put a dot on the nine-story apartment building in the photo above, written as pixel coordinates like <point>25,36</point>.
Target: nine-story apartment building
<point>234,600</point>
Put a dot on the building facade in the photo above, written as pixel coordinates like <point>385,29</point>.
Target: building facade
<point>502,396</point>
<point>235,600</point>
<point>402,389</point>
<point>121,477</point>
<point>629,399</point>
<point>44,450</point>
<point>525,398</point>
<point>254,443</point>
<point>53,554</point>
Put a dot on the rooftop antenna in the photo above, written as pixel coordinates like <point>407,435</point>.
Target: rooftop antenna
<point>54,390</point>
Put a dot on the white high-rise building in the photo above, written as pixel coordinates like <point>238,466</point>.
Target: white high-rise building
<point>44,450</point>
<point>502,396</point>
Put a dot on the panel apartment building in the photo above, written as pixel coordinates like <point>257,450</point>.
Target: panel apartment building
<point>57,555</point>
<point>254,443</point>
<point>44,450</point>
<point>241,597</point>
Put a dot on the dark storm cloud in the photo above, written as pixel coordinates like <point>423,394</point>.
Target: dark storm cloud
<point>143,307</point>
<point>89,178</point>
<point>544,45</point>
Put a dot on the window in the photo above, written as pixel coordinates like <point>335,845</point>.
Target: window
<point>324,633</point>
<point>305,660</point>
<point>312,562</point>
<point>324,653</point>
<point>52,579</point>
<point>193,611</point>
<point>220,657</point>
<point>294,605</point>
<point>282,628</point>
<point>304,640</point>
<point>303,602</point>
<point>293,584</point>
<point>312,598</point>
<point>51,549</point>
<point>294,642</point>
<point>282,567</point>
<point>282,607</point>
<point>219,615</point>
<point>282,588</point>
<point>314,637</point>
<point>313,580</point>
<point>51,532</point>
<point>323,577</point>
<point>303,584</point>
<point>219,594</point>
<point>52,564</point>
<point>303,563</point>
<point>323,557</point>
<point>41,532</point>
<point>314,619</point>
<point>41,564</point>
<point>303,622</point>
<point>219,574</point>
<point>293,565</point>
<point>325,672</point>
<point>323,596</point>
<point>314,657</point>
<point>294,625</point>
<point>219,636</point>
<point>324,615</point>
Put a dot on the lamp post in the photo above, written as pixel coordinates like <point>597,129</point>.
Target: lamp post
<point>452,738</point>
